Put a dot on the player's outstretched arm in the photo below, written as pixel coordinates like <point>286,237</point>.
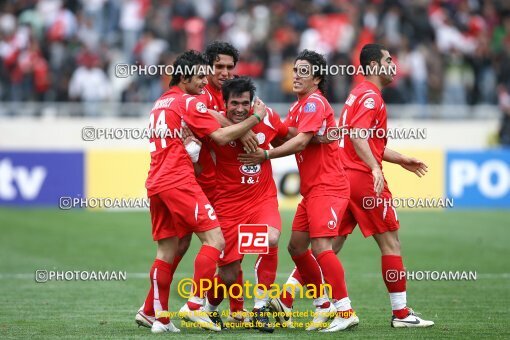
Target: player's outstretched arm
<point>290,147</point>
<point>363,151</point>
<point>227,134</point>
<point>322,140</point>
<point>277,141</point>
<point>410,164</point>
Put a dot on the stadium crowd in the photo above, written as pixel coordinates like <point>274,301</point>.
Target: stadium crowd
<point>451,52</point>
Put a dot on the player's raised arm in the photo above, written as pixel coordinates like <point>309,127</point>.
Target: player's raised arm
<point>409,163</point>
<point>249,139</point>
<point>224,135</point>
<point>220,118</point>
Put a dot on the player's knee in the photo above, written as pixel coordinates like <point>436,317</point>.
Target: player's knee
<point>183,245</point>
<point>319,246</point>
<point>338,244</point>
<point>229,277</point>
<point>219,244</point>
<point>273,238</point>
<point>295,249</point>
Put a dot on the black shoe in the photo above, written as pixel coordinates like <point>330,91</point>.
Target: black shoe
<point>215,318</point>
<point>261,320</point>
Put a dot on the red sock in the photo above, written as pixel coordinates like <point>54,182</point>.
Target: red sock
<point>205,267</point>
<point>309,269</point>
<point>265,268</point>
<point>216,294</point>
<point>288,299</point>
<point>157,300</point>
<point>177,260</point>
<point>333,273</point>
<point>237,304</point>
<point>395,281</point>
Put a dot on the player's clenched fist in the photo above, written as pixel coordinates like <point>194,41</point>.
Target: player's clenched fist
<point>259,108</point>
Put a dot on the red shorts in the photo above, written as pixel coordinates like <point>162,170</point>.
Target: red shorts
<point>266,213</point>
<point>374,215</point>
<point>181,210</point>
<point>320,216</point>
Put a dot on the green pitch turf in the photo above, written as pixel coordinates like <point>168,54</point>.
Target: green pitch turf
<point>121,241</point>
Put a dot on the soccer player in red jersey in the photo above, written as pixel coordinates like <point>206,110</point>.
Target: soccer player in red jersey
<point>362,159</point>
<point>246,195</point>
<point>223,57</point>
<point>177,203</point>
<point>365,110</point>
<point>325,191</point>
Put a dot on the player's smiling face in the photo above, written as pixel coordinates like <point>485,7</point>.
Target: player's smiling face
<point>195,84</point>
<point>303,81</point>
<point>238,107</point>
<point>223,70</point>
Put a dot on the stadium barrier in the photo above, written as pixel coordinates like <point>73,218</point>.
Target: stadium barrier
<point>44,159</point>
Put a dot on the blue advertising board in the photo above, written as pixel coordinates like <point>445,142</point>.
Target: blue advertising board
<point>479,179</point>
<point>40,178</point>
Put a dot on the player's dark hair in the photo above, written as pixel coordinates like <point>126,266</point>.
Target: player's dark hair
<point>315,59</point>
<point>183,66</point>
<point>214,49</point>
<point>369,53</point>
<point>238,86</point>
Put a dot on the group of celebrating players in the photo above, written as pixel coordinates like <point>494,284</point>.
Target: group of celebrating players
<point>219,175</point>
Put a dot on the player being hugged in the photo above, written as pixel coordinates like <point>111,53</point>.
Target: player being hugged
<point>246,195</point>
<point>177,203</point>
<point>223,58</point>
<point>325,191</point>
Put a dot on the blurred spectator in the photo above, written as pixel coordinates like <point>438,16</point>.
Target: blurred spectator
<point>448,51</point>
<point>89,84</point>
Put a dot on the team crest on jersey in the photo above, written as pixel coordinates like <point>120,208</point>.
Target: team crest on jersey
<point>310,107</point>
<point>201,107</point>
<point>350,100</point>
<point>369,103</point>
<point>261,138</point>
<point>250,170</point>
<point>232,143</point>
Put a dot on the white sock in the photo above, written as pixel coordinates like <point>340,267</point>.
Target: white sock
<point>320,301</point>
<point>210,308</point>
<point>398,300</point>
<point>197,300</point>
<point>343,304</point>
<point>259,303</point>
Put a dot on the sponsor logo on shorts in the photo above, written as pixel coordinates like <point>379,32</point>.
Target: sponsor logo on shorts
<point>253,239</point>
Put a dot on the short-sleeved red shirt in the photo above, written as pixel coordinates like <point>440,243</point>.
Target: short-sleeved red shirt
<point>239,185</point>
<point>364,109</point>
<point>320,168</point>
<point>170,163</point>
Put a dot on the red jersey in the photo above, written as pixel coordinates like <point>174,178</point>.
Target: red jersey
<point>213,99</point>
<point>364,109</point>
<point>170,163</point>
<point>239,186</point>
<point>320,168</point>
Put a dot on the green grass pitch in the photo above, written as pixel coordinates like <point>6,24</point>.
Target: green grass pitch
<point>121,241</point>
